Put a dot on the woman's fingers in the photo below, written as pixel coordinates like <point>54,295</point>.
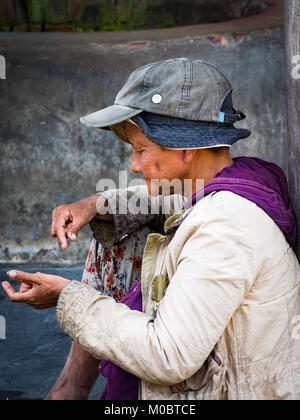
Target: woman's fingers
<point>15,296</point>
<point>23,277</point>
<point>68,219</point>
<point>43,292</point>
<point>71,235</point>
<point>61,237</point>
<point>24,288</point>
<point>62,219</point>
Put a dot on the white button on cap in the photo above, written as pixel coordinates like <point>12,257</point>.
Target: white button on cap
<point>156,99</point>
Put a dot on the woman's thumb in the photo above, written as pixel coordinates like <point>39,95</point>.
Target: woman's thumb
<point>72,235</point>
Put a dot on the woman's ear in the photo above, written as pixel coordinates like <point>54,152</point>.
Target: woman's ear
<point>187,155</point>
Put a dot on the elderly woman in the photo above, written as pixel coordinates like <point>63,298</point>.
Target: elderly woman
<point>198,304</point>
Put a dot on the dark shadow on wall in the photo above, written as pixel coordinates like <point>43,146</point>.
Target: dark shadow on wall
<point>116,15</point>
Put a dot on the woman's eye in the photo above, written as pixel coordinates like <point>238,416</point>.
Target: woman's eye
<point>139,151</point>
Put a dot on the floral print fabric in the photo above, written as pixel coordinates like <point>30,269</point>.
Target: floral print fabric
<point>115,269</point>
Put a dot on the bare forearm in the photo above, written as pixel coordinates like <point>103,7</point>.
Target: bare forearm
<point>77,378</point>
<point>140,209</point>
<point>97,204</point>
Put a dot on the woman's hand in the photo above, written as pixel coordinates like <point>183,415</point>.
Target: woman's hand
<point>40,291</point>
<point>68,219</point>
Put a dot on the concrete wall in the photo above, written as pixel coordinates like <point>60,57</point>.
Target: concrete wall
<point>292,33</point>
<point>86,15</point>
<point>48,158</point>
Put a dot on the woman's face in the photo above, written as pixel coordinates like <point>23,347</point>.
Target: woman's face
<point>157,165</point>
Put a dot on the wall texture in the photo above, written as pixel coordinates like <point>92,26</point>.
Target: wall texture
<point>292,36</point>
<point>95,15</point>
<point>48,158</point>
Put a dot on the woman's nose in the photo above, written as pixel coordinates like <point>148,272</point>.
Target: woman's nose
<point>135,164</point>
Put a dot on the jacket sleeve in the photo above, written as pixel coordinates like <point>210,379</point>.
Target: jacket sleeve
<point>133,208</point>
<point>217,265</point>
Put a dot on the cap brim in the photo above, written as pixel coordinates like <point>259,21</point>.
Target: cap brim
<point>109,116</point>
<point>179,134</point>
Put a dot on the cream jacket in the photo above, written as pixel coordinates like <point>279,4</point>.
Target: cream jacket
<point>221,301</point>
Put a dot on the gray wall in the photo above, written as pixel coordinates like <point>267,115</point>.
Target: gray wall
<point>48,158</point>
<point>292,33</point>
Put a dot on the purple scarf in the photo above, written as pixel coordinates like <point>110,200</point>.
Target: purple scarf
<point>259,181</point>
<point>122,385</point>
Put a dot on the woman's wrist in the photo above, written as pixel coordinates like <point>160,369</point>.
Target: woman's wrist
<point>101,208</point>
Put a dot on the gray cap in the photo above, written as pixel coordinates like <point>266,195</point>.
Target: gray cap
<point>189,89</point>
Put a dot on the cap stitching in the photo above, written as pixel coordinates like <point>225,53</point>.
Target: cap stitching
<point>209,132</point>
<point>186,88</point>
<point>213,115</point>
<point>145,84</point>
<point>213,136</point>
